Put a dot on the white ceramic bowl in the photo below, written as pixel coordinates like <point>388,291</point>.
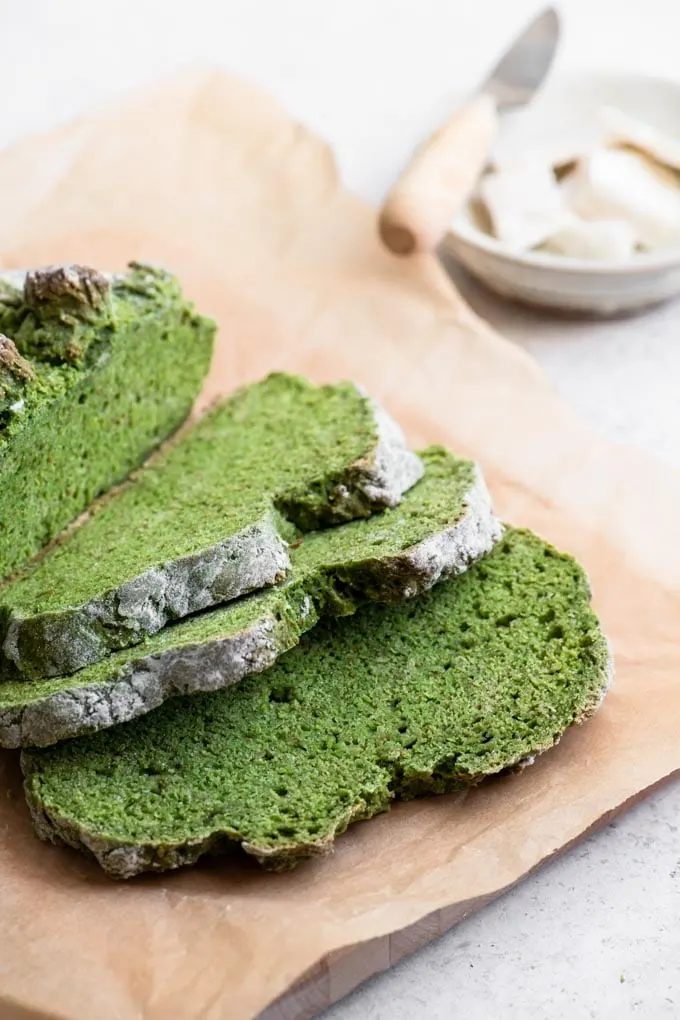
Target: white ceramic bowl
<point>566,109</point>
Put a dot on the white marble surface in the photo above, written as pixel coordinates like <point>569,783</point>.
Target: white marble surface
<point>596,934</point>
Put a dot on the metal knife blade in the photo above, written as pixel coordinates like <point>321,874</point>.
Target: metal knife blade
<point>442,172</point>
<point>524,66</point>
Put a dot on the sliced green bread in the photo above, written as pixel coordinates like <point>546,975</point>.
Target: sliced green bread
<point>475,677</point>
<point>206,521</point>
<point>443,524</point>
<point>95,372</point>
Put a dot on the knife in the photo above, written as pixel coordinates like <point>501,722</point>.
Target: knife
<point>444,169</point>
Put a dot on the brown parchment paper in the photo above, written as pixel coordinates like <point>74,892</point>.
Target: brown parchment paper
<point>211,178</point>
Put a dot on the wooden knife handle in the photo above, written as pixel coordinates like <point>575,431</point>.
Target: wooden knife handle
<point>443,171</point>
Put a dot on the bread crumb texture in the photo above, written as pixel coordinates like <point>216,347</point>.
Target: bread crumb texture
<point>473,678</point>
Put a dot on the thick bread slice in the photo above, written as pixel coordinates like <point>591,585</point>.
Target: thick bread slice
<point>205,522</point>
<point>443,525</point>
<point>473,678</point>
<point>95,372</point>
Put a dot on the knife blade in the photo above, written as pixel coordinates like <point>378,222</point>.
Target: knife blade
<point>523,67</point>
<point>444,169</point>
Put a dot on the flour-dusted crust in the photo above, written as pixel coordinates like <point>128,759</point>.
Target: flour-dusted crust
<point>395,468</point>
<point>444,554</point>
<point>254,558</point>
<point>599,695</point>
<point>143,685</point>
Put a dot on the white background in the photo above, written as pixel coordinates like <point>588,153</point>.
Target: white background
<point>597,934</point>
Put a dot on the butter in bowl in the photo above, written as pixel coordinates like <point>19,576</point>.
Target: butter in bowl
<point>579,209</point>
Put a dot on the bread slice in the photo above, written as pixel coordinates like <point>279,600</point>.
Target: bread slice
<point>95,372</point>
<point>205,522</point>
<point>443,525</point>
<point>475,677</point>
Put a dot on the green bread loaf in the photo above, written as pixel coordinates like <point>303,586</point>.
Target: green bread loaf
<point>475,677</point>
<point>206,521</point>
<point>443,524</point>
<point>95,372</point>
